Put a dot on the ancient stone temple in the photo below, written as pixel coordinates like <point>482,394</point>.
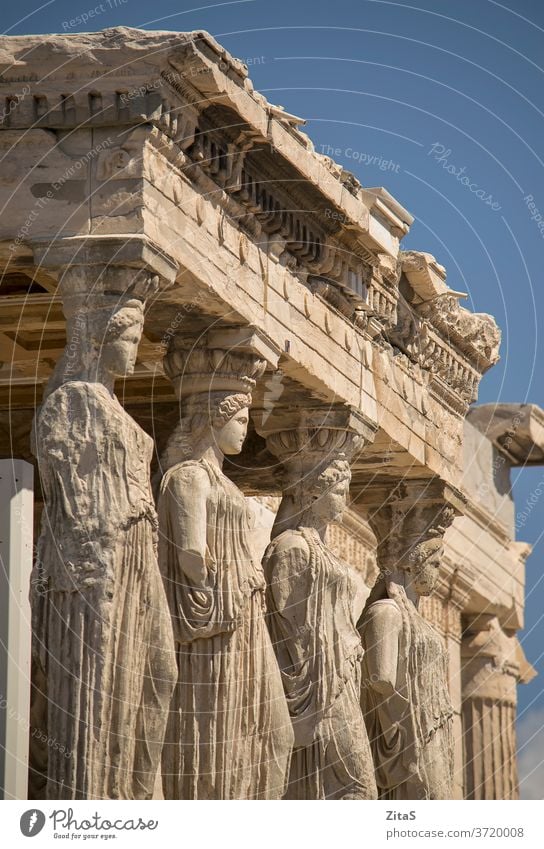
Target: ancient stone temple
<point>264,507</point>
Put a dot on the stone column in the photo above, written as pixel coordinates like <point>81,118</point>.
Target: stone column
<point>408,671</point>
<point>16,534</point>
<point>103,654</point>
<point>490,673</point>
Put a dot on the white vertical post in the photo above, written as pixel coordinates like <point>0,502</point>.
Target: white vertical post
<point>16,538</point>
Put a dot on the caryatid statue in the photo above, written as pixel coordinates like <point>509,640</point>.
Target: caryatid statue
<point>102,636</point>
<point>229,735</point>
<point>405,694</point>
<point>314,603</point>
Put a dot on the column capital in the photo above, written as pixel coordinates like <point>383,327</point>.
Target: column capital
<point>209,366</point>
<point>306,441</point>
<point>105,252</point>
<point>490,660</point>
<point>315,416</point>
<point>408,514</point>
<point>104,284</point>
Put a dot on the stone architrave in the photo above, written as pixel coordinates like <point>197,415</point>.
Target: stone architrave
<point>314,602</point>
<point>490,672</point>
<point>229,735</point>
<point>103,654</point>
<point>405,694</point>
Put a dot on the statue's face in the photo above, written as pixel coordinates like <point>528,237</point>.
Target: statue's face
<point>331,503</point>
<point>118,352</point>
<point>427,557</point>
<point>230,438</point>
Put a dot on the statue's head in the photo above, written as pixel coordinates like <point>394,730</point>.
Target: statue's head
<point>230,434</point>
<point>217,418</point>
<point>114,336</point>
<point>426,552</point>
<point>104,322</point>
<point>410,525</point>
<point>326,494</point>
<point>425,559</point>
<point>102,338</point>
<point>214,388</point>
<point>316,475</point>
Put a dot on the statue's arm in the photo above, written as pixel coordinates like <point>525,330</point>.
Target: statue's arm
<point>382,635</point>
<point>290,602</point>
<point>290,588</point>
<point>183,518</point>
<point>381,644</point>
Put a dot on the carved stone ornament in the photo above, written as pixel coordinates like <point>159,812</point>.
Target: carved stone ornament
<point>229,735</point>
<point>314,602</point>
<point>103,648</point>
<point>474,334</point>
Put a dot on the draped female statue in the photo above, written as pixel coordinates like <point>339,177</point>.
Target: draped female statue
<point>102,636</point>
<point>405,693</point>
<point>229,734</point>
<point>314,602</point>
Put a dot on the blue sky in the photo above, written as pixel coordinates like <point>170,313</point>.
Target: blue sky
<point>401,90</point>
